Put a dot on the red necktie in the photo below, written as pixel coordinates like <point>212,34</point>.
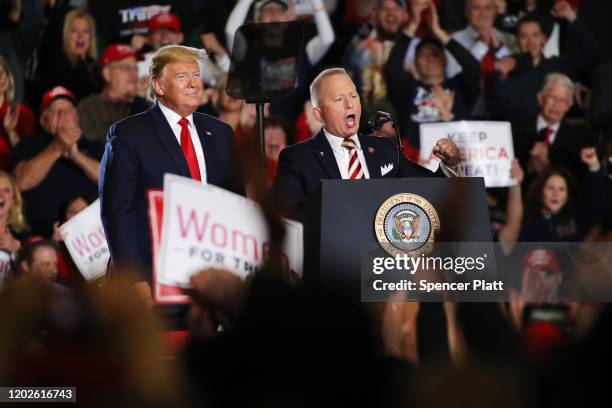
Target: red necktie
<point>487,67</point>
<point>355,171</point>
<point>188,150</point>
<point>549,133</point>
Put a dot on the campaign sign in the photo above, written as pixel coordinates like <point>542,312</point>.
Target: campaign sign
<point>486,149</point>
<point>161,293</point>
<point>84,237</point>
<point>206,226</point>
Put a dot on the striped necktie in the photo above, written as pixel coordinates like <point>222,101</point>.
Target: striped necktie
<point>355,171</point>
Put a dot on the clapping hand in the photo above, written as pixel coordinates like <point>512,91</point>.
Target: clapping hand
<point>416,9</point>
<point>443,100</point>
<point>488,36</point>
<point>588,155</point>
<point>433,23</point>
<point>563,9</point>
<point>68,132</point>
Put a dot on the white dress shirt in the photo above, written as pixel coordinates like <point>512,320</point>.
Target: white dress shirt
<point>342,154</point>
<point>469,38</point>
<point>541,124</point>
<point>173,118</point>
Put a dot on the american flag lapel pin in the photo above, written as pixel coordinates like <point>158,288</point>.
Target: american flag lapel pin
<point>371,149</point>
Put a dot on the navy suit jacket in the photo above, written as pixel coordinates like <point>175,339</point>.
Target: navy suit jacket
<point>139,151</point>
<point>565,150</point>
<point>302,166</point>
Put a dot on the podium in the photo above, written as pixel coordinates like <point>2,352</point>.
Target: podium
<point>339,222</point>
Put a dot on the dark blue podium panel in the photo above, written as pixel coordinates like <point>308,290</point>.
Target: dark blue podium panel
<point>339,221</point>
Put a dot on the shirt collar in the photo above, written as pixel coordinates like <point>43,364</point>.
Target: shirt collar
<point>542,124</point>
<point>172,117</point>
<point>336,142</point>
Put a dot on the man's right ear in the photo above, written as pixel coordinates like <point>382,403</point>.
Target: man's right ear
<point>42,120</point>
<point>316,111</point>
<point>540,97</point>
<point>106,73</point>
<point>24,266</point>
<point>157,87</point>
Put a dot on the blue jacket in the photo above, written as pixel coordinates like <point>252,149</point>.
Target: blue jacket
<point>139,151</point>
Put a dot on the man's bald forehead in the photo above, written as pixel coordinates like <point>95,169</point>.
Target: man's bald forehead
<point>316,85</point>
<point>326,80</point>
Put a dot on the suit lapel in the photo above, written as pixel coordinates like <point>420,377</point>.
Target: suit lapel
<point>325,155</point>
<point>370,157</point>
<point>561,138</point>
<point>166,137</point>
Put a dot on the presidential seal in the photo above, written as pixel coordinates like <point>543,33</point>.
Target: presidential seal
<point>406,224</point>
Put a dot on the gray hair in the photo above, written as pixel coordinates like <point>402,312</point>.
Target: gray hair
<point>556,78</point>
<point>315,86</point>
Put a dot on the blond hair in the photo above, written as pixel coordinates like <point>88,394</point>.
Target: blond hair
<point>72,15</point>
<point>9,94</point>
<point>16,220</point>
<point>315,86</point>
<point>166,55</point>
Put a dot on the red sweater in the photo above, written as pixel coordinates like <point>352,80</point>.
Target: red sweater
<point>26,126</point>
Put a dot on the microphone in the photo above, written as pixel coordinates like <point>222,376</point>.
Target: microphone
<point>376,122</point>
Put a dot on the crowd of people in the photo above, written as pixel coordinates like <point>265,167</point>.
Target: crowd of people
<point>71,72</point>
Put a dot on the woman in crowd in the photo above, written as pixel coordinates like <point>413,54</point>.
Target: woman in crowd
<point>17,119</point>
<point>12,224</point>
<point>553,211</point>
<point>75,67</point>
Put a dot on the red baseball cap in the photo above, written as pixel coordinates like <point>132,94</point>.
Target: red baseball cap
<point>54,94</point>
<point>116,52</point>
<point>167,20</point>
<point>542,259</point>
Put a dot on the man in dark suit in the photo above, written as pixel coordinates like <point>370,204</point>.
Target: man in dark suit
<point>168,138</point>
<point>339,151</point>
<point>549,139</point>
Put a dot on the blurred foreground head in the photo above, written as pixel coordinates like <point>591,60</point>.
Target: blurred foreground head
<point>104,341</point>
